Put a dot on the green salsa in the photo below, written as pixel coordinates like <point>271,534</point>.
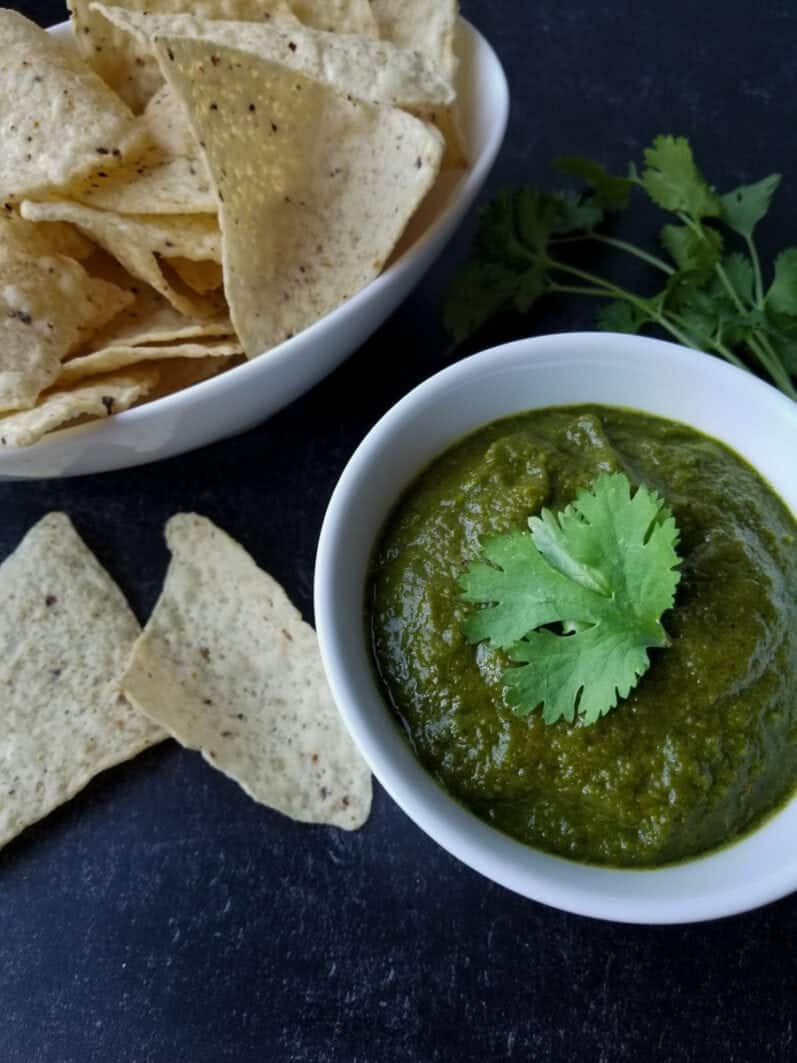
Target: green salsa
<point>705,746</point>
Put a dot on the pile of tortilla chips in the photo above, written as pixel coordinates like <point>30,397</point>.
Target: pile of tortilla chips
<point>180,190</point>
<point>225,665</point>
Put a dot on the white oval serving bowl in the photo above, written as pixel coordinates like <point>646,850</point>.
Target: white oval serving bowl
<point>644,374</point>
<point>248,394</point>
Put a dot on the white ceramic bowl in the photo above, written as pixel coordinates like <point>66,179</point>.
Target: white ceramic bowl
<point>660,378</point>
<point>244,396</point>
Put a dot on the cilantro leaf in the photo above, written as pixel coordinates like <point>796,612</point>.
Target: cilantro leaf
<point>787,351</point>
<point>739,271</point>
<point>622,317</point>
<point>744,207</point>
<point>692,252</point>
<point>610,193</point>
<point>536,214</point>
<point>479,291</point>
<point>583,673</point>
<point>672,180</point>
<point>499,239</point>
<point>781,298</point>
<point>530,286</point>
<point>710,312</point>
<point>699,312</point>
<point>605,568</point>
<point>512,564</point>
<point>574,212</point>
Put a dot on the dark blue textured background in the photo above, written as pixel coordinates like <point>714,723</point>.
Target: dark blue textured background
<point>162,916</point>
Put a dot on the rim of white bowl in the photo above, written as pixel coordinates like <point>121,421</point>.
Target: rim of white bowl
<point>472,180</point>
<point>650,896</point>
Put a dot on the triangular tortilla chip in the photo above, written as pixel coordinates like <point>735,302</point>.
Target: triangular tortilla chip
<point>120,357</point>
<point>133,71</point>
<point>227,665</point>
<point>65,634</point>
<point>136,240</point>
<point>315,188</point>
<point>94,399</point>
<point>56,116</point>
<point>371,70</point>
<point>49,305</point>
<point>169,176</point>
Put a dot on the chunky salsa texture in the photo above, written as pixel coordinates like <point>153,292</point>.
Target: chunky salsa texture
<point>704,748</point>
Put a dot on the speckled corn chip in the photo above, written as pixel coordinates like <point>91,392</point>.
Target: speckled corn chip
<point>49,305</point>
<point>58,119</point>
<point>372,70</point>
<point>227,665</point>
<point>65,634</point>
<point>315,188</point>
<point>130,68</point>
<point>91,399</point>
<point>120,356</point>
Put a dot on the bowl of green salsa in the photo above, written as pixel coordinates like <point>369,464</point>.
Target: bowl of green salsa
<point>556,594</point>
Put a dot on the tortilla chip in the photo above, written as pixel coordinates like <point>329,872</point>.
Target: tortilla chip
<point>49,305</point>
<point>170,176</point>
<point>176,374</point>
<point>422,27</point>
<point>167,123</point>
<point>431,30</point>
<point>456,156</point>
<point>65,634</point>
<point>337,16</point>
<point>371,70</point>
<point>200,276</point>
<point>42,238</point>
<point>132,71</point>
<point>120,357</point>
<point>107,300</point>
<point>150,320</point>
<point>96,399</point>
<point>56,116</point>
<point>136,240</point>
<point>227,665</point>
<point>315,188</point>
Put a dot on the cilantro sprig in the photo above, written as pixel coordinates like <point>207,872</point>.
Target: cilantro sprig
<point>605,571</point>
<point>712,293</point>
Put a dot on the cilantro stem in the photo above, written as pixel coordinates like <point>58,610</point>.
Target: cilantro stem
<point>576,289</point>
<point>603,289</point>
<point>777,370</point>
<point>632,249</point>
<point>607,288</point>
<point>704,342</point>
<point>757,279</point>
<point>621,245</point>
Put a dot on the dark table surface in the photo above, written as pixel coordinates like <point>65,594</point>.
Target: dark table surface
<point>163,916</point>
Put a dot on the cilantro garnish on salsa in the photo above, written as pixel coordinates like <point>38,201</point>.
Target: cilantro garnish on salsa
<point>605,569</point>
